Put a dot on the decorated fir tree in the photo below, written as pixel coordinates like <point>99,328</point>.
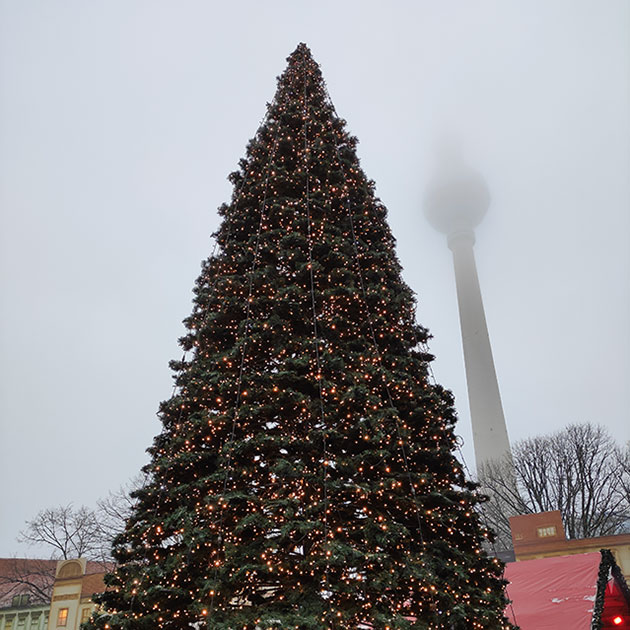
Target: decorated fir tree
<point>305,476</point>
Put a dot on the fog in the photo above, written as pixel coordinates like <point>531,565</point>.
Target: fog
<point>120,120</point>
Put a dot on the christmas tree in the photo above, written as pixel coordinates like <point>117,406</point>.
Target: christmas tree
<point>304,477</point>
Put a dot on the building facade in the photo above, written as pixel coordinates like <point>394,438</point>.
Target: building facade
<point>69,585</point>
<point>542,535</point>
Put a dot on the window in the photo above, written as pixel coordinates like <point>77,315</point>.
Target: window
<point>85,614</point>
<point>62,617</point>
<point>8,623</point>
<point>70,569</point>
<point>545,532</point>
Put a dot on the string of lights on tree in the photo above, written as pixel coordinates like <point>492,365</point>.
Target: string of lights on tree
<point>304,477</point>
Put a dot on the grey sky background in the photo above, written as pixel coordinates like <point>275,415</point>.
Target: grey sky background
<point>120,120</point>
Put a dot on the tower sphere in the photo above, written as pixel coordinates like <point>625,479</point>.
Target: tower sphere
<point>457,198</point>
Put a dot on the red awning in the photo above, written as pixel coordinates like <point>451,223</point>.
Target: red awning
<point>553,593</point>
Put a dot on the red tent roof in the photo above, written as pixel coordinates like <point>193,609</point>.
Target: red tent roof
<point>559,592</point>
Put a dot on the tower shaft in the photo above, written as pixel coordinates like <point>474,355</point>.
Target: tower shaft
<point>490,438</point>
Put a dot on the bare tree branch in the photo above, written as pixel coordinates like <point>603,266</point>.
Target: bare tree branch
<point>68,532</point>
<point>22,576</point>
<point>579,471</point>
<point>113,512</point>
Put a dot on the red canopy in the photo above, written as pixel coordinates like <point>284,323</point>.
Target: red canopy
<point>553,593</point>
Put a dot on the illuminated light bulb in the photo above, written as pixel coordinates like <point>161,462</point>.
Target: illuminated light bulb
<point>617,620</point>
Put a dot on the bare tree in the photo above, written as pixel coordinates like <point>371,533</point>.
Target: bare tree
<point>114,510</point>
<point>70,532</point>
<point>67,531</point>
<point>580,471</point>
<point>623,473</point>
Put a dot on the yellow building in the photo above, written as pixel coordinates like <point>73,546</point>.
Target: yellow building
<point>23,604</point>
<point>71,601</point>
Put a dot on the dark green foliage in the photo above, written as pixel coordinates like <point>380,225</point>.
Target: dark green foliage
<point>305,476</point>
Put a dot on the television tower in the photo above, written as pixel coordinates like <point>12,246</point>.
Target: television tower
<point>457,200</point>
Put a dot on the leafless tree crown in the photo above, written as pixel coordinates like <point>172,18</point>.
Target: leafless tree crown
<point>69,532</point>
<point>580,471</point>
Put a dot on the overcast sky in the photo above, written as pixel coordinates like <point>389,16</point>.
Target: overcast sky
<point>120,120</point>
